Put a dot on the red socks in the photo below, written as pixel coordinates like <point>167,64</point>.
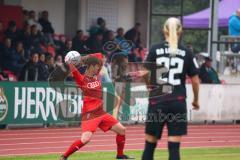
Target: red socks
<point>120,139</point>
<point>73,148</point>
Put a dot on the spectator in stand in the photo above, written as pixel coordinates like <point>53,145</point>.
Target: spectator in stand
<point>25,37</point>
<point>108,36</point>
<point>43,68</point>
<point>234,29</point>
<point>190,48</point>
<point>59,63</point>
<point>32,20</point>
<point>11,32</point>
<point>132,57</point>
<point>12,59</point>
<point>100,26</point>
<point>42,57</point>
<point>134,35</point>
<point>207,72</point>
<point>78,43</point>
<point>3,75</point>
<point>95,42</point>
<point>50,62</point>
<point>67,48</point>
<point>105,71</point>
<point>45,23</point>
<point>25,16</point>
<point>6,52</point>
<point>2,35</point>
<point>120,34</point>
<point>30,71</point>
<point>58,60</point>
<point>50,49</point>
<point>121,40</point>
<point>36,39</point>
<point>47,28</point>
<point>21,52</point>
<point>57,43</point>
<point>62,44</point>
<point>138,55</point>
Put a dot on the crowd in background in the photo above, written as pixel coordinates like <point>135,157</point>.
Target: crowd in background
<point>32,52</point>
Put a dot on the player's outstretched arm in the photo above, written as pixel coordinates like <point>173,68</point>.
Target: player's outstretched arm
<point>76,74</point>
<point>195,87</point>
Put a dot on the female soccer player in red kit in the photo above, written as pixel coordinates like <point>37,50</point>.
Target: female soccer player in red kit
<point>93,115</point>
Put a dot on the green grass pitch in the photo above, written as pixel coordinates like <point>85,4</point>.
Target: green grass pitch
<point>187,154</point>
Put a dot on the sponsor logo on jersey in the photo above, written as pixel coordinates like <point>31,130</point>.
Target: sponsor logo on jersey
<point>93,84</point>
<point>3,105</point>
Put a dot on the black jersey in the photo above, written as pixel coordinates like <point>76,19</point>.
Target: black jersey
<point>178,65</point>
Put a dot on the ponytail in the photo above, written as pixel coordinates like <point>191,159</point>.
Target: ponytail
<point>172,28</point>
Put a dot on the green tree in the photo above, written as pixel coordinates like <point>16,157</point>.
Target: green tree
<point>163,9</point>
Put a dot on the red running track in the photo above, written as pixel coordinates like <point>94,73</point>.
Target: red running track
<point>56,140</point>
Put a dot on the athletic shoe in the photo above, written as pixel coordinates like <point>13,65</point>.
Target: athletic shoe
<point>62,158</point>
<point>124,157</point>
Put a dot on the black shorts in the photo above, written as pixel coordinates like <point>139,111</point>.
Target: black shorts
<point>171,113</point>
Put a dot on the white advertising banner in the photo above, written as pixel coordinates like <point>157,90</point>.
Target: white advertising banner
<point>217,102</point>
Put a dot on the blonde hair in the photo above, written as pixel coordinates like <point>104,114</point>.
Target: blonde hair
<point>172,28</point>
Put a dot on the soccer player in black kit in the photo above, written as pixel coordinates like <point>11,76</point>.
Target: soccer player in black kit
<point>170,109</point>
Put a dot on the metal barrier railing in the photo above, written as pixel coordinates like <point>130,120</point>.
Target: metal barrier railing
<point>229,61</point>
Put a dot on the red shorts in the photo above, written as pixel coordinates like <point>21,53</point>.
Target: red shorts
<point>104,122</point>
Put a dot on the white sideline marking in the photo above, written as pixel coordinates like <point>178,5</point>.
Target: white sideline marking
<point>28,154</point>
<point>112,145</point>
<point>128,131</point>
<point>128,139</point>
<point>107,135</point>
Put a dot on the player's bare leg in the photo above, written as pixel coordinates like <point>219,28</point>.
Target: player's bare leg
<point>117,104</point>
<point>85,138</point>
<point>119,99</point>
<point>119,129</point>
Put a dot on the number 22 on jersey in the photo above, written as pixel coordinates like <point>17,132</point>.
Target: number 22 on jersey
<point>174,65</point>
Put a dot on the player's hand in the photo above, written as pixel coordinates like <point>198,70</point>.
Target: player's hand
<point>195,105</point>
<point>71,66</point>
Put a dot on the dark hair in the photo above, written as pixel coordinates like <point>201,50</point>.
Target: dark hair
<point>118,57</point>
<point>55,58</point>
<point>33,26</point>
<point>25,12</point>
<point>44,12</point>
<point>30,12</point>
<point>208,59</point>
<point>48,57</point>
<point>92,61</point>
<point>11,24</point>
<point>33,53</point>
<point>79,31</point>
<point>100,20</point>
<point>40,54</point>
<point>137,24</point>
<point>120,28</point>
<point>19,42</point>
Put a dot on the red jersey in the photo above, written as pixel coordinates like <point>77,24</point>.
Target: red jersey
<point>91,88</point>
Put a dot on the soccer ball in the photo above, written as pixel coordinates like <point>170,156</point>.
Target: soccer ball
<point>72,57</point>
